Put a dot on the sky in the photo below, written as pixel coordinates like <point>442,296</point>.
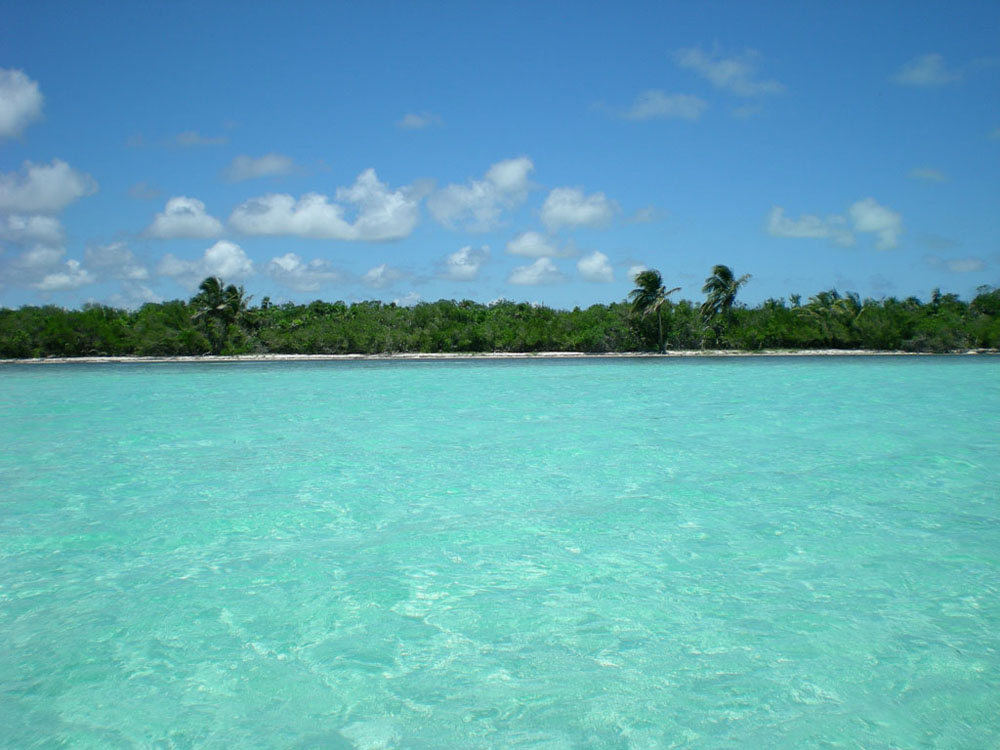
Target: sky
<point>531,151</point>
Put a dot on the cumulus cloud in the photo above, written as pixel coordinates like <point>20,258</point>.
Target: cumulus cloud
<point>20,102</point>
<point>464,264</point>
<point>833,228</point>
<point>184,217</point>
<point>477,206</point>
<point>418,120</point>
<point>26,230</point>
<point>192,139</point>
<point>381,276</point>
<point>71,276</point>
<point>868,216</point>
<point>542,271</point>
<point>133,295</point>
<point>569,207</point>
<point>658,105</point>
<point>115,260</point>
<point>927,174</point>
<point>736,74</point>
<point>249,168</point>
<point>865,216</point>
<point>925,71</point>
<point>223,259</point>
<point>291,271</point>
<point>535,245</point>
<point>43,188</point>
<point>595,267</point>
<point>382,214</point>
<point>38,260</point>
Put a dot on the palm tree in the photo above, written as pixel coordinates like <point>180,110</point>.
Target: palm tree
<point>649,296</point>
<point>218,307</point>
<point>721,288</point>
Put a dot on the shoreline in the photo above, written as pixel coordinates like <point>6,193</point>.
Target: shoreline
<point>450,356</point>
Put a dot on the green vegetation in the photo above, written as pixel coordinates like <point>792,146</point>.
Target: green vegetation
<point>219,320</point>
<point>649,296</point>
<point>720,289</point>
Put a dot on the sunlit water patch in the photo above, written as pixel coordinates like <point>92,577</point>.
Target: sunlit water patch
<point>541,554</point>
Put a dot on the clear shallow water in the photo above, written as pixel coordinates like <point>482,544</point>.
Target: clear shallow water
<point>543,554</point>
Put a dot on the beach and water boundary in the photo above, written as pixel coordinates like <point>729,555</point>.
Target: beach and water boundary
<point>444,356</point>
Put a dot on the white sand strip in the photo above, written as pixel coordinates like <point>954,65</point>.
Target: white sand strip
<point>495,355</point>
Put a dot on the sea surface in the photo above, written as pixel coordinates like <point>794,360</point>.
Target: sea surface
<point>700,553</point>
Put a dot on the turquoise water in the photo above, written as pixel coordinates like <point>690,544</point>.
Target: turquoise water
<point>761,553</point>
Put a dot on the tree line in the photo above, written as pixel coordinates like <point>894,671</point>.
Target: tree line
<point>220,319</point>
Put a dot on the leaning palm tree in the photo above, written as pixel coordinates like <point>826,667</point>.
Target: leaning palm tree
<point>721,288</point>
<point>649,296</point>
<point>218,307</point>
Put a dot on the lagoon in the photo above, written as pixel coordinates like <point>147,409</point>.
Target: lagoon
<point>699,553</point>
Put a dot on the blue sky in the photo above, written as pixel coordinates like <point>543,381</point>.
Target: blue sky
<point>532,151</point>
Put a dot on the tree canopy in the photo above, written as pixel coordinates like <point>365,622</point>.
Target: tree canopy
<point>219,320</point>
<point>649,296</point>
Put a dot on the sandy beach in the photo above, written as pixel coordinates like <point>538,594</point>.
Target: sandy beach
<point>496,355</point>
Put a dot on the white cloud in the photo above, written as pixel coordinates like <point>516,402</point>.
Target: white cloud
<point>569,207</point>
<point>115,260</point>
<point>134,295</point>
<point>73,276</point>
<point>928,174</point>
<point>382,214</point>
<point>464,264</point>
<point>885,224</point>
<point>43,189</point>
<point>289,270</point>
<point>407,300</point>
<point>184,217</point>
<point>249,168</point>
<point>925,71</point>
<point>39,259</point>
<point>20,102</point>
<point>191,139</point>
<point>32,266</point>
<point>635,270</point>
<point>535,245</point>
<point>223,259</point>
<point>25,230</point>
<point>866,216</point>
<point>658,105</point>
<point>833,228</point>
<point>734,74</point>
<point>542,271</point>
<point>595,267</point>
<point>477,206</point>
<point>381,276</point>
<point>312,215</point>
<point>418,120</point>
